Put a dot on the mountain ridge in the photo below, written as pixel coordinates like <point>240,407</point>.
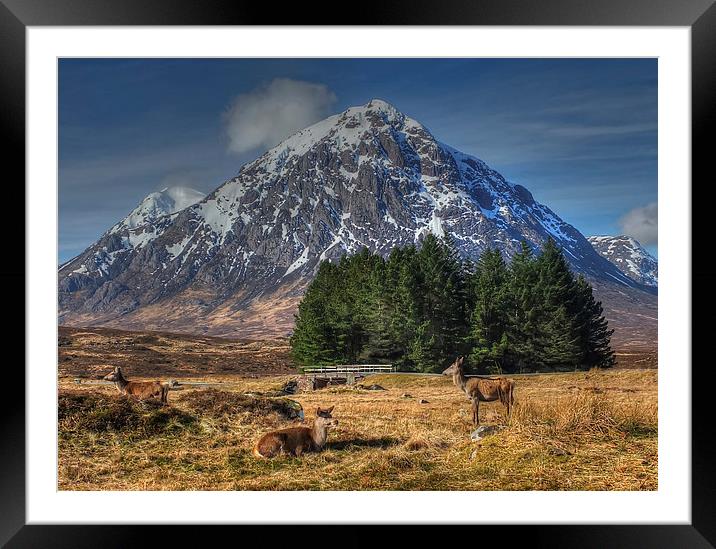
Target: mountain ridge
<point>367,177</point>
<point>630,257</point>
<point>167,201</point>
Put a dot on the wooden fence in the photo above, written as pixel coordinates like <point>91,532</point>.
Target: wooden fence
<point>351,368</point>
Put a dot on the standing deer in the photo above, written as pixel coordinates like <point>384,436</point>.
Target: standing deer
<point>139,389</point>
<point>481,389</point>
<point>297,440</point>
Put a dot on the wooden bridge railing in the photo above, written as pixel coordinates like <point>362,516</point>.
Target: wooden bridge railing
<point>350,369</point>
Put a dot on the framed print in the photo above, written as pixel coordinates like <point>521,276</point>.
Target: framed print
<point>398,272</point>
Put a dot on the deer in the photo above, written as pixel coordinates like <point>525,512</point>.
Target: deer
<point>482,389</point>
<point>295,441</point>
<point>141,390</point>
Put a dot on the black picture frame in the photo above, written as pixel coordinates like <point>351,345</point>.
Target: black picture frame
<point>699,15</point>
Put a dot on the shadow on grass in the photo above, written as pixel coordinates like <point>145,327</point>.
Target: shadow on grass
<point>640,430</point>
<point>379,442</point>
<point>244,462</point>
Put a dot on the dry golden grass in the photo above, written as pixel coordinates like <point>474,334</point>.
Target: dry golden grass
<point>577,431</point>
<point>90,353</point>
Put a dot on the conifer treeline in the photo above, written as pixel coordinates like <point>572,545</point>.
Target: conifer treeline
<point>421,307</point>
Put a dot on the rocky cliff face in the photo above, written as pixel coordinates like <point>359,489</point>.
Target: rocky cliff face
<point>630,257</point>
<point>236,262</point>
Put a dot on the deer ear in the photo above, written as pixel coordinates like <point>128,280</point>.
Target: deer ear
<point>330,409</point>
<point>318,410</point>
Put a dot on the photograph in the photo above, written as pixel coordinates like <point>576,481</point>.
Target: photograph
<point>358,274</point>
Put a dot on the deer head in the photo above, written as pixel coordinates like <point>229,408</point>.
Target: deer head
<point>324,418</point>
<point>115,375</point>
<point>455,367</point>
<point>320,412</point>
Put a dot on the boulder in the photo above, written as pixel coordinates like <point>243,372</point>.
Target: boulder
<point>296,408</point>
<point>485,430</point>
<point>290,387</point>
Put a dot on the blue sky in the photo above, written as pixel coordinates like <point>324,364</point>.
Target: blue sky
<point>580,134</point>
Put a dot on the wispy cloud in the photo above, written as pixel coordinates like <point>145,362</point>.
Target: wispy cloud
<point>124,164</point>
<point>191,179</point>
<point>573,131</point>
<point>270,113</point>
<point>642,224</point>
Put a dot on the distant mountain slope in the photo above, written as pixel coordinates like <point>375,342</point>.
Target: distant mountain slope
<point>236,262</point>
<point>629,257</point>
<point>165,202</point>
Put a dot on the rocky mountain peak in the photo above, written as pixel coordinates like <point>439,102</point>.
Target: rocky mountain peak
<point>167,201</point>
<point>630,257</point>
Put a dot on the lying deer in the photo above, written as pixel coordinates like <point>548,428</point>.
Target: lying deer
<point>297,440</point>
<point>481,389</point>
<point>139,389</point>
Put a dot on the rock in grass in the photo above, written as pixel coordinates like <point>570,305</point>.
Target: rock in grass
<point>374,387</point>
<point>296,407</point>
<point>423,401</point>
<point>557,451</point>
<point>485,430</point>
<point>291,387</point>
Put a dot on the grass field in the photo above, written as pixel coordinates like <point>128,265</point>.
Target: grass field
<point>576,431</point>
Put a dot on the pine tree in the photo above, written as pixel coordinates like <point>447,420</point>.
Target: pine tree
<point>313,341</point>
<point>489,321</point>
<point>556,328</point>
<point>382,344</point>
<point>353,302</point>
<point>440,295</point>
<point>422,348</point>
<point>523,353</point>
<point>595,335</point>
<point>406,314</point>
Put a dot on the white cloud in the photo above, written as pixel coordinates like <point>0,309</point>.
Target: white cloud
<point>266,115</point>
<point>642,224</point>
<point>182,197</point>
<point>189,179</point>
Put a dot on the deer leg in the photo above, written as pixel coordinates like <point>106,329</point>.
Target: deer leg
<point>510,403</point>
<point>298,451</point>
<point>475,411</point>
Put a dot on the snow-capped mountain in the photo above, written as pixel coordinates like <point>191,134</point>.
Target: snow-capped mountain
<point>165,202</point>
<point>629,257</point>
<point>241,257</point>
